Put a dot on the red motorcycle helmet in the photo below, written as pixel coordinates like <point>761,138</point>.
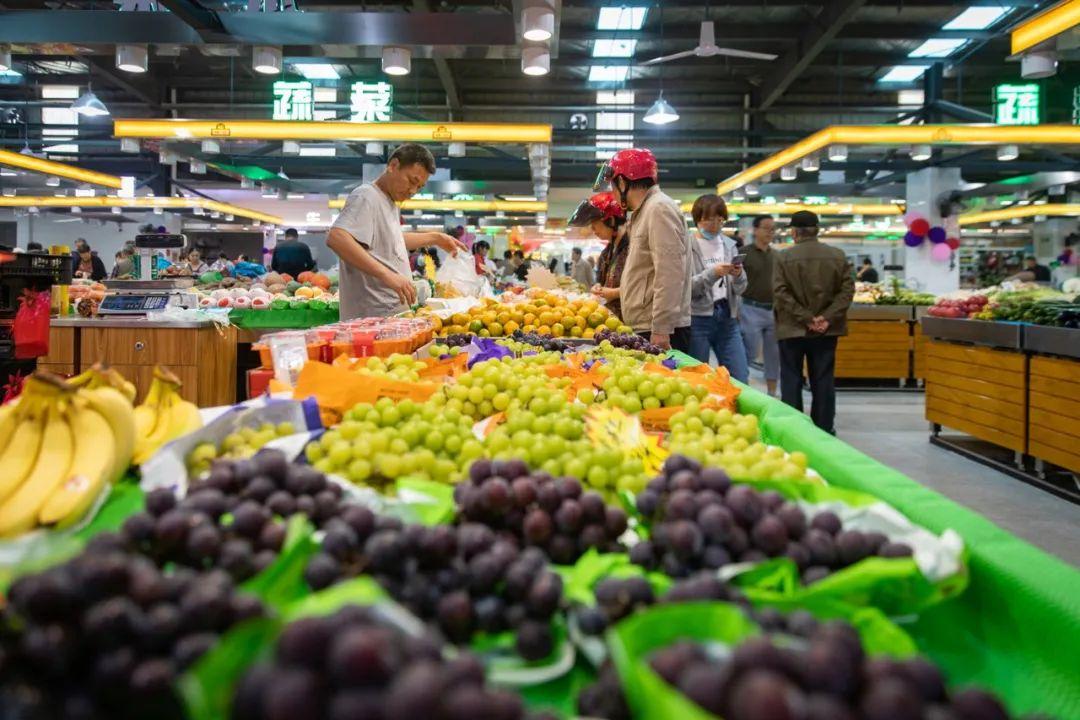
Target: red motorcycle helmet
<point>632,164</point>
<point>601,206</point>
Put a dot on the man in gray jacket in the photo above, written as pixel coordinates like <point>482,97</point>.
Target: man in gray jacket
<point>655,285</point>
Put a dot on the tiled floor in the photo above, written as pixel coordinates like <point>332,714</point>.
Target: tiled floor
<point>890,427</point>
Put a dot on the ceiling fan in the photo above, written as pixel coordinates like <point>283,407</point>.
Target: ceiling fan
<point>707,47</point>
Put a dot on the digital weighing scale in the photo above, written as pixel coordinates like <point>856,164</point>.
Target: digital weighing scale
<point>145,297</point>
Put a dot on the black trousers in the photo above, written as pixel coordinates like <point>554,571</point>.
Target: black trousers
<point>820,355</point>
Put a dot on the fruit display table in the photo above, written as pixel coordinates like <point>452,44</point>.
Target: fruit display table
<point>201,353</point>
<point>878,343</point>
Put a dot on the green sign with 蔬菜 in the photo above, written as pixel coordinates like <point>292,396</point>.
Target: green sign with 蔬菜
<point>368,101</point>
<point>1016,104</point>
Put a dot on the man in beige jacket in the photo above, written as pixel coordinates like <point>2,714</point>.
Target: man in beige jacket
<point>655,285</point>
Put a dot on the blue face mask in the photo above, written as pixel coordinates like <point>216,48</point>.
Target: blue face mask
<point>707,234</point>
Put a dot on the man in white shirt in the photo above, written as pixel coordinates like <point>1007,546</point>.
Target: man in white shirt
<point>375,277</point>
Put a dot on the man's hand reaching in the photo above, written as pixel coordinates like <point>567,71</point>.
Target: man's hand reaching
<point>404,288</point>
<point>448,243</point>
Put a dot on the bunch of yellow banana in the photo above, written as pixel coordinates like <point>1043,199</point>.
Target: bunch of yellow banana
<point>98,376</point>
<point>163,416</point>
<point>59,447</point>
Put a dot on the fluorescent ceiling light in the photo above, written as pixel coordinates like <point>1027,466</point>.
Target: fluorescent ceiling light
<point>538,23</point>
<point>661,113</point>
<point>615,97</point>
<point>89,105</point>
<point>911,97</point>
<point>59,92</point>
<point>317,71</point>
<point>903,73</point>
<point>938,47</point>
<point>132,58</point>
<point>535,60</point>
<point>318,152</point>
<point>977,18</point>
<point>266,59</point>
<point>621,18</point>
<point>608,73</point>
<point>396,60</point>
<point>614,48</point>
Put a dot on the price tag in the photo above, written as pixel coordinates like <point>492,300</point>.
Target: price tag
<point>609,427</point>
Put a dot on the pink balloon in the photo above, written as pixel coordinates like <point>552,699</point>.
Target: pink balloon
<point>940,251</point>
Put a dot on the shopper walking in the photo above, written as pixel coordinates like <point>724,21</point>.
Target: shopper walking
<point>756,314</point>
<point>375,277</point>
<point>716,284</point>
<point>603,214</point>
<point>812,289</point>
<point>654,291</point>
<point>581,271</point>
<point>292,256</point>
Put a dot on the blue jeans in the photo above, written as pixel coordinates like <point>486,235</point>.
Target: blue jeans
<point>759,335</point>
<point>720,334</point>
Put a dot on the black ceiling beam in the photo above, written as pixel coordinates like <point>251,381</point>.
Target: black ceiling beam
<point>821,32</point>
<point>748,32</point>
<point>442,68</point>
<point>100,70</point>
<point>205,22</point>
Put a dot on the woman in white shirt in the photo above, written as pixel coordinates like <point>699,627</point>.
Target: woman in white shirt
<point>716,284</point>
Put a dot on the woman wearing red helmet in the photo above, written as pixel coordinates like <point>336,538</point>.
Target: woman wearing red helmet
<point>605,216</point>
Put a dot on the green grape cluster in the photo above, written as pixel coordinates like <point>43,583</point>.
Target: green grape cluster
<point>242,443</point>
<point>377,443</point>
<point>397,367</point>
<point>632,389</point>
<point>503,385</point>
<point>606,350</point>
<point>731,441</point>
<point>550,436</point>
<point>437,351</point>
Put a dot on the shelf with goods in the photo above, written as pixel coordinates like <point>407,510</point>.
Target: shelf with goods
<point>878,343</point>
<point>416,459</point>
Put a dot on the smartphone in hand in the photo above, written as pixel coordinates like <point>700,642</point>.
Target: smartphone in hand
<point>739,259</point>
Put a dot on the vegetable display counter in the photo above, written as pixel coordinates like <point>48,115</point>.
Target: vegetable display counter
<point>878,343</point>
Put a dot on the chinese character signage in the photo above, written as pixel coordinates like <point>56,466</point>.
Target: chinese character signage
<point>371,102</point>
<point>1016,104</point>
<point>1076,105</point>
<point>368,101</point>
<point>293,101</point>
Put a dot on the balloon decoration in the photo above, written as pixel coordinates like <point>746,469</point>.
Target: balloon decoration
<point>919,226</point>
<point>912,240</point>
<point>936,235</point>
<point>952,242</point>
<point>940,252</point>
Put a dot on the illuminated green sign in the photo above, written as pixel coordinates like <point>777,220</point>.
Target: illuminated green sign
<point>368,101</point>
<point>1016,104</point>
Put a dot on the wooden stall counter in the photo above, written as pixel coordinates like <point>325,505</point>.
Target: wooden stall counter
<point>878,343</point>
<point>201,353</point>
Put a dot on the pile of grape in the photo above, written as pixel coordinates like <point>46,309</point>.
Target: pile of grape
<point>500,385</point>
<point>464,578</point>
<point>629,387</point>
<point>828,678</point>
<point>545,342</point>
<point>234,518</point>
<point>377,443</point>
<point>395,367</point>
<point>720,438</point>
<point>437,351</point>
<point>539,511</point>
<point>458,340</point>
<point>107,633</point>
<point>242,443</point>
<point>352,666</point>
<point>608,339</point>
<point>700,520</point>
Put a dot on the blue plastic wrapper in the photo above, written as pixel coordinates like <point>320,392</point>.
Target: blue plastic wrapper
<point>481,349</point>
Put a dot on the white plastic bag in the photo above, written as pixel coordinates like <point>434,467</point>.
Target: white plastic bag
<point>460,271</point>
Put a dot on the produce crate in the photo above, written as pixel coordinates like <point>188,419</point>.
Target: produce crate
<point>862,311</point>
<point>1054,411</point>
<point>1053,341</point>
<point>979,391</point>
<point>980,332</point>
<point>918,354</point>
<point>875,349</point>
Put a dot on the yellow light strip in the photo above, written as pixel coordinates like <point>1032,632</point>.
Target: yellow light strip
<point>357,132</point>
<point>905,135</point>
<point>1046,25</point>
<point>1020,211</point>
<point>50,167</point>
<point>838,209</point>
<point>168,203</point>
<point>535,206</point>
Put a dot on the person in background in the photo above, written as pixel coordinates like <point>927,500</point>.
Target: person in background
<point>867,273</point>
<point>580,270</point>
<point>603,214</point>
<point>521,271</point>
<point>222,265</point>
<point>34,247</point>
<point>80,245</point>
<point>89,265</point>
<point>716,284</point>
<point>812,289</point>
<point>1033,271</point>
<point>480,259</point>
<point>292,256</point>
<point>655,294</point>
<point>375,277</point>
<point>738,240</point>
<point>195,263</point>
<point>553,265</point>
<point>125,265</point>
<point>756,314</point>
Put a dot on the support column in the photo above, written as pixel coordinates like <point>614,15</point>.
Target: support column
<point>924,187</point>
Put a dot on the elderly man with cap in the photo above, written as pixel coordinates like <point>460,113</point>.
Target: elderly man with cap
<point>812,289</point>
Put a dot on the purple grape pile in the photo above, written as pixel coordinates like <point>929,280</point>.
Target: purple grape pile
<point>828,678</point>
<point>544,342</point>
<point>106,634</point>
<point>233,518</point>
<point>349,666</point>
<point>702,521</point>
<point>457,339</point>
<point>627,342</point>
<point>464,579</point>
<point>604,698</point>
<point>537,510</point>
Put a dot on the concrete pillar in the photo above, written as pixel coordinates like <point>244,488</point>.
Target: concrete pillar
<point>1048,237</point>
<point>924,187</point>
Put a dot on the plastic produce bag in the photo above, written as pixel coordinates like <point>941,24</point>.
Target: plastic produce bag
<point>460,271</point>
<point>31,327</point>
